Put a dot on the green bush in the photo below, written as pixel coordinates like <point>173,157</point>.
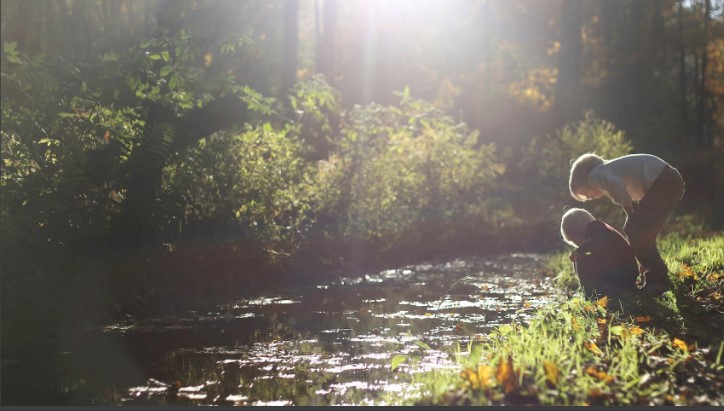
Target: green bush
<point>254,179</point>
<point>540,177</point>
<point>404,169</point>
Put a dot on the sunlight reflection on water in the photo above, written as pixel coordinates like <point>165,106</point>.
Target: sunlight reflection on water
<point>331,344</point>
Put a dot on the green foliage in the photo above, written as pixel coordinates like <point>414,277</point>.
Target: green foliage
<point>315,106</point>
<point>403,169</point>
<point>254,178</point>
<point>540,176</point>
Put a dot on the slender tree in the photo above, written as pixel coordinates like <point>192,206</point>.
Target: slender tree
<point>291,35</point>
<point>682,66</point>
<point>569,64</point>
<point>703,97</point>
<point>326,61</point>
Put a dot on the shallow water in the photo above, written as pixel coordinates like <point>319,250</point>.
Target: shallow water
<point>327,344</point>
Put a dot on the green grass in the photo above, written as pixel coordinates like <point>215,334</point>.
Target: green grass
<point>642,351</point>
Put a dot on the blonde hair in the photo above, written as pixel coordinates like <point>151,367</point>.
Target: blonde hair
<point>580,169</point>
<point>574,223</point>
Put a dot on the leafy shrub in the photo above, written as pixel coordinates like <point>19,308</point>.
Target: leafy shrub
<point>540,177</point>
<point>405,169</point>
<point>255,179</point>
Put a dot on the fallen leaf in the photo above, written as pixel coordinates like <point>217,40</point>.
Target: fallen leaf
<point>602,302</point>
<point>574,324</point>
<point>599,375</point>
<point>679,344</point>
<point>636,330</point>
<point>643,319</point>
<point>552,372</point>
<point>506,375</point>
<point>592,347</point>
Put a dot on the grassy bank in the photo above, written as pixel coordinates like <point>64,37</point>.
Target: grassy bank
<point>642,351</point>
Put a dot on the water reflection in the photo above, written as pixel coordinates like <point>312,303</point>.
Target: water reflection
<point>328,344</point>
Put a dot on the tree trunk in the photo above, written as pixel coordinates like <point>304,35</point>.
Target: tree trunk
<point>165,134</point>
<point>291,31</point>
<point>327,58</point>
<point>701,118</point>
<point>682,68</point>
<point>569,64</point>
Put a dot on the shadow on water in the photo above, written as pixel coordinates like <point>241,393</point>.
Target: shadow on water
<point>326,344</point>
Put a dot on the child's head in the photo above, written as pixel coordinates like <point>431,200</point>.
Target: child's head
<point>573,225</point>
<point>578,183</point>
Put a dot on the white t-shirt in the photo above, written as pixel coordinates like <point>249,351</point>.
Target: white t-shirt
<point>626,178</point>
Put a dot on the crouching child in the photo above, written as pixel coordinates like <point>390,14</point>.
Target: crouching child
<point>602,259</point>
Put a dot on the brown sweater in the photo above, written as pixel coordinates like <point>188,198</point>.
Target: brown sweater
<point>605,262</point>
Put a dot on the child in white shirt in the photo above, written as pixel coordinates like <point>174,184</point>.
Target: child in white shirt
<point>648,189</point>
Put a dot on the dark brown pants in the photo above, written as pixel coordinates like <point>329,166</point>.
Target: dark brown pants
<point>649,216</point>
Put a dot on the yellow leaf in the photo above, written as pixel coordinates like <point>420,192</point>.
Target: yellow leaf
<point>601,321</point>
<point>679,344</point>
<point>484,373</point>
<point>552,372</point>
<point>602,302</point>
<point>574,324</point>
<point>469,378</point>
<point>592,347</point>
<point>635,330</point>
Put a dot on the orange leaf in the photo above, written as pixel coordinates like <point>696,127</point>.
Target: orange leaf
<point>602,302</point>
<point>643,319</point>
<point>686,272</point>
<point>505,375</point>
<point>600,375</point>
<point>574,323</point>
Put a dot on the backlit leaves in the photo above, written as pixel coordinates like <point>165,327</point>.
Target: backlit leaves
<point>476,379</point>
<point>679,344</point>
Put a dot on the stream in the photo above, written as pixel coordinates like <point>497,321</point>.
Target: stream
<point>325,344</point>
